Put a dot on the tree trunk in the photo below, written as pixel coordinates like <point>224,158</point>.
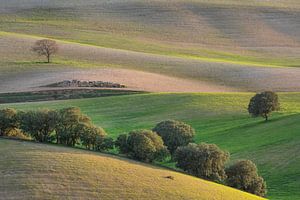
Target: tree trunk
<point>48,58</point>
<point>266,117</point>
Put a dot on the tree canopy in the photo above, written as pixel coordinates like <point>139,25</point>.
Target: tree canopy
<point>263,104</point>
<point>46,48</point>
<point>143,145</point>
<point>202,160</point>
<point>8,121</point>
<point>243,175</point>
<point>174,134</point>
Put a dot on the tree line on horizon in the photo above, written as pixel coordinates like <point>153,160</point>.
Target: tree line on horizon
<point>169,139</point>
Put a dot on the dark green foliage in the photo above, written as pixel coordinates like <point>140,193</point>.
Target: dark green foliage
<point>8,121</point>
<point>39,124</point>
<point>202,160</point>
<point>143,145</point>
<point>263,104</point>
<point>91,136</point>
<point>121,143</point>
<point>105,145</point>
<point>71,124</point>
<point>174,134</point>
<point>243,176</point>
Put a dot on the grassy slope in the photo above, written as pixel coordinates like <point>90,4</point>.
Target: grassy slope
<point>134,25</point>
<point>218,118</point>
<point>35,171</point>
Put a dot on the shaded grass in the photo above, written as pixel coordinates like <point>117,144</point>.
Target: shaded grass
<point>219,118</point>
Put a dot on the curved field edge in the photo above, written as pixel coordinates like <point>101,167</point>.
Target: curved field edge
<point>213,56</point>
<point>47,171</point>
<point>219,118</point>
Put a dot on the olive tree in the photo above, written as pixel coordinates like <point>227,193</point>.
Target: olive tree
<point>243,175</point>
<point>70,126</point>
<point>39,124</point>
<point>8,121</point>
<point>263,104</point>
<point>202,160</point>
<point>143,145</point>
<point>46,48</point>
<point>174,134</point>
<point>92,136</point>
<point>104,145</point>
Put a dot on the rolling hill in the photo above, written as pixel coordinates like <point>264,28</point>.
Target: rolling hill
<point>40,171</point>
<point>211,46</point>
<point>224,49</point>
<point>219,118</point>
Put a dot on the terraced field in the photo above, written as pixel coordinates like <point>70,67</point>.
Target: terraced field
<point>217,118</point>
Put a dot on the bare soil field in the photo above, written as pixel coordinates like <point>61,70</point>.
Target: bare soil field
<point>21,70</point>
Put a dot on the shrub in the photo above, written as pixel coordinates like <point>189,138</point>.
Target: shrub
<point>143,145</point>
<point>263,104</point>
<point>243,175</point>
<point>71,124</point>
<point>39,124</point>
<point>121,143</point>
<point>105,144</point>
<point>174,134</point>
<point>8,121</point>
<point>202,160</point>
<point>91,136</point>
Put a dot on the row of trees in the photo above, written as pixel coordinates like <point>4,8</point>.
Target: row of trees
<point>168,139</point>
<point>207,161</point>
<point>68,126</point>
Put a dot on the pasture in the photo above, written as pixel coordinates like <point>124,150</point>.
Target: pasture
<point>219,118</point>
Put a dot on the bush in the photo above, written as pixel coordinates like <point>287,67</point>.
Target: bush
<point>263,104</point>
<point>91,136</point>
<point>39,124</point>
<point>243,176</point>
<point>174,134</point>
<point>8,121</point>
<point>71,124</point>
<point>121,143</point>
<point>143,145</point>
<point>202,160</point>
<point>105,145</point>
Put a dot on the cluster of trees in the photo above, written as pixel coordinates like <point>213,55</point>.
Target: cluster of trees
<point>67,126</point>
<point>168,139</point>
<point>207,161</point>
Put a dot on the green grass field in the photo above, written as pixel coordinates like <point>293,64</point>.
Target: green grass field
<point>219,118</point>
<point>186,45</point>
<point>40,171</point>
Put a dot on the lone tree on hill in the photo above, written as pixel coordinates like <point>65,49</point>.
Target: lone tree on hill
<point>243,176</point>
<point>174,134</point>
<point>202,160</point>
<point>263,104</point>
<point>45,48</point>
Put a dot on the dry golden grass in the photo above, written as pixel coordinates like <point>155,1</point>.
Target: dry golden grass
<point>40,171</point>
